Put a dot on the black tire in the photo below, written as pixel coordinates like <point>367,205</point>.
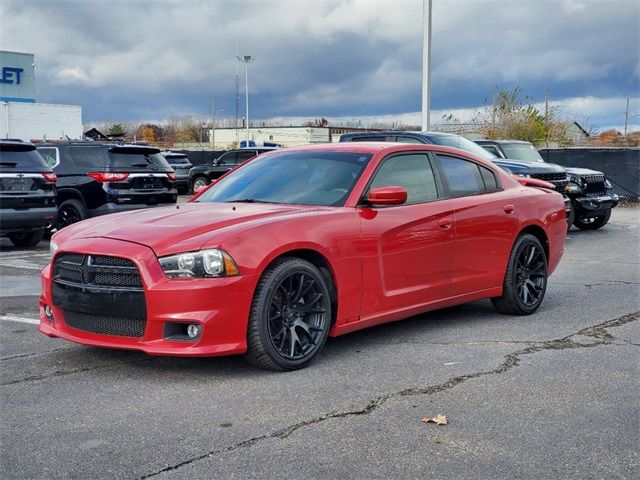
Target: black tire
<point>70,212</point>
<point>592,223</point>
<point>525,281</point>
<point>199,182</point>
<point>572,216</point>
<point>290,316</point>
<point>26,239</point>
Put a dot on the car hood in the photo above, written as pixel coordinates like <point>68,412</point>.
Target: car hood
<point>182,227</point>
<point>582,171</point>
<point>532,167</point>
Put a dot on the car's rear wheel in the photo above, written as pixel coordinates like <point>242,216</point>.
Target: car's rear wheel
<point>525,281</point>
<point>70,212</point>
<point>26,239</point>
<point>290,316</point>
<point>200,182</point>
<point>592,223</point>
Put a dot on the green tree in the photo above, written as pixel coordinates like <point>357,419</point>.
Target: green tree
<point>116,129</point>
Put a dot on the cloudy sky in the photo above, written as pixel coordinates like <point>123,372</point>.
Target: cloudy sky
<point>148,60</point>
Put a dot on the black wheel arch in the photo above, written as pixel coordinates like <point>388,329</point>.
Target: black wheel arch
<point>319,261</point>
<point>540,234</point>
<point>69,194</point>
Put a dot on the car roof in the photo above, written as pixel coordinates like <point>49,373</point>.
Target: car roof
<point>502,141</point>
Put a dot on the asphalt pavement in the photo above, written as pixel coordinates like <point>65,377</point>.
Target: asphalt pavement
<point>551,395</point>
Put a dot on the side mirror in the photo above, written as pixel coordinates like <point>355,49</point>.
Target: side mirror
<point>534,182</point>
<point>387,196</point>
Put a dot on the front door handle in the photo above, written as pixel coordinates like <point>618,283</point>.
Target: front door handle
<point>445,223</point>
<point>509,208</point>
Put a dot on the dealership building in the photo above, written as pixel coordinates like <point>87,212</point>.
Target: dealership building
<point>21,116</point>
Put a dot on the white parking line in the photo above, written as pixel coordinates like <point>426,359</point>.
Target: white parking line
<point>15,318</point>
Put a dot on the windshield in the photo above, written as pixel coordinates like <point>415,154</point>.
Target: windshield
<point>462,143</point>
<point>522,151</point>
<point>302,178</point>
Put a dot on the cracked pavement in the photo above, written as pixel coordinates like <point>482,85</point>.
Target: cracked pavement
<point>553,395</point>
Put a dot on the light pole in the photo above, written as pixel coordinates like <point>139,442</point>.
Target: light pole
<point>246,59</point>
<point>426,64</point>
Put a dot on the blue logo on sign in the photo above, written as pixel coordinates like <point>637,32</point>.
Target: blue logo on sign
<point>11,75</point>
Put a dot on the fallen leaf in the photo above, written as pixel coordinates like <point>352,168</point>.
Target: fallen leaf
<point>438,420</point>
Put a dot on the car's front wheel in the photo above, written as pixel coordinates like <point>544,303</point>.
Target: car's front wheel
<point>290,316</point>
<point>592,223</point>
<point>26,239</point>
<point>200,182</point>
<point>525,281</point>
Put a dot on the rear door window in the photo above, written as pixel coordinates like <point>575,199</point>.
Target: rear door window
<point>463,177</point>
<point>244,156</point>
<point>489,178</point>
<point>408,140</point>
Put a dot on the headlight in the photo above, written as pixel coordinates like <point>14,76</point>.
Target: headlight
<point>53,246</point>
<point>200,264</point>
<point>607,184</point>
<point>521,175</point>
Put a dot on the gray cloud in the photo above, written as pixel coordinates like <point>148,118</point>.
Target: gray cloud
<point>127,60</point>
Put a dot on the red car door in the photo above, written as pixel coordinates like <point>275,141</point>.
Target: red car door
<point>407,249</point>
<point>484,224</point>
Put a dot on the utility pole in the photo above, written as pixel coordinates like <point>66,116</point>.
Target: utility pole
<point>626,117</point>
<point>546,116</point>
<point>213,122</point>
<point>426,64</point>
<point>237,89</point>
<point>246,59</point>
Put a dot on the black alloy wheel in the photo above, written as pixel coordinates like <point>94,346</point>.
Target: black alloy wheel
<point>69,212</point>
<point>290,316</point>
<point>592,223</point>
<point>525,281</point>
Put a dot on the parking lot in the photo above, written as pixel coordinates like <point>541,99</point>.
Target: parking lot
<point>552,395</point>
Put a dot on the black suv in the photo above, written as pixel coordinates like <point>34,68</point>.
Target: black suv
<point>202,175</point>
<point>181,166</point>
<point>591,203</point>
<point>27,193</point>
<point>99,178</point>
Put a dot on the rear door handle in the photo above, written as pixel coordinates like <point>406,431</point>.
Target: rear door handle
<point>509,208</point>
<point>445,223</point>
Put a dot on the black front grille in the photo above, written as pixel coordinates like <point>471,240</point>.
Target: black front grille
<point>559,180</point>
<point>547,177</point>
<point>105,324</point>
<point>593,185</point>
<point>100,294</point>
<point>97,270</point>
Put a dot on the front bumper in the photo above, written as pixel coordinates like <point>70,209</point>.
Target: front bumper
<point>595,206</point>
<point>13,220</point>
<point>220,305</point>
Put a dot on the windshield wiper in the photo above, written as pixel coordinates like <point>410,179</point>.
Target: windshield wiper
<point>247,200</point>
<point>8,164</point>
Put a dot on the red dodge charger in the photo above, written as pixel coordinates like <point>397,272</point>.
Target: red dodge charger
<point>303,243</point>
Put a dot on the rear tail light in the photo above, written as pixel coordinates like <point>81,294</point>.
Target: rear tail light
<point>172,176</point>
<point>50,177</point>
<point>103,177</point>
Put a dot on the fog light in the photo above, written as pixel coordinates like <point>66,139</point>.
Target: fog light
<point>193,330</point>
<point>48,312</point>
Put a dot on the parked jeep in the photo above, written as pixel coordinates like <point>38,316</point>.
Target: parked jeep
<point>27,193</point>
<point>202,175</point>
<point>551,173</point>
<point>591,202</point>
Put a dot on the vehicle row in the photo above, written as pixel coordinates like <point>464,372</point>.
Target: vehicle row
<point>55,185</point>
<point>588,200</point>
